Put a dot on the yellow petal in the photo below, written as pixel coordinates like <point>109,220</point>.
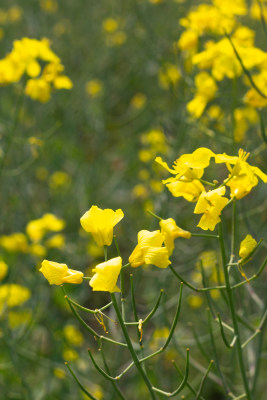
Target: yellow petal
<point>157,256</point>
<point>106,276</point>
<point>247,246</point>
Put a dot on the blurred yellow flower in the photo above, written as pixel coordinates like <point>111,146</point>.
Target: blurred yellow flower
<point>169,75</point>
<point>106,276</point>
<point>3,270</point>
<point>149,250</point>
<point>12,295</point>
<point>56,241</point>
<point>14,242</point>
<point>37,228</point>
<point>94,88</point>
<point>170,231</point>
<point>210,204</point>
<point>59,179</point>
<point>206,90</point>
<point>24,59</point>
<point>73,335</point>
<point>59,373</point>
<point>110,25</point>
<point>38,89</point>
<point>247,246</point>
<point>100,224</point>
<point>138,101</point>
<point>18,318</point>
<point>49,6</point>
<point>56,273</point>
<point>194,301</point>
<point>37,250</point>
<point>70,354</point>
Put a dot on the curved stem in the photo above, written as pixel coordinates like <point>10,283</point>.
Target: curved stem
<point>79,383</point>
<point>130,347</point>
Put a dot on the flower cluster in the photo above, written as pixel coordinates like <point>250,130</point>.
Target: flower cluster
<point>26,57</point>
<point>36,231</point>
<point>188,171</point>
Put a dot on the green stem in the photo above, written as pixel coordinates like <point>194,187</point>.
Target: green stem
<point>217,363</point>
<point>205,235</point>
<point>233,314</point>
<point>222,332</point>
<point>154,215</point>
<point>203,380</point>
<point>96,311</point>
<point>79,383</point>
<point>130,347</point>
<point>89,329</point>
<point>176,317</point>
<point>122,280</point>
<point>182,384</point>
<point>193,287</point>
<point>135,311</point>
<point>150,315</point>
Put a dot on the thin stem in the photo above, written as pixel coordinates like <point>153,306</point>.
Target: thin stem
<point>207,294</point>
<point>152,312</point>
<point>154,215</point>
<point>114,384</point>
<point>106,252</point>
<point>88,310</point>
<point>217,363</point>
<point>245,70</point>
<point>89,329</point>
<point>187,383</point>
<point>222,332</point>
<point>258,330</point>
<point>182,384</point>
<point>135,311</point>
<point>130,347</point>
<point>122,280</point>
<point>205,235</point>
<point>234,317</point>
<point>176,317</point>
<point>207,183</point>
<point>255,276</point>
<point>191,286</point>
<point>203,380</point>
<point>79,383</point>
<point>100,370</point>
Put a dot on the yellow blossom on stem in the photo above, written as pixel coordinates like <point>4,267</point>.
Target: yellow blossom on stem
<point>247,246</point>
<point>12,295</point>
<point>56,273</point>
<point>149,250</point>
<point>243,176</point>
<point>210,204</point>
<point>170,232</point>
<point>100,224</point>
<point>106,276</point>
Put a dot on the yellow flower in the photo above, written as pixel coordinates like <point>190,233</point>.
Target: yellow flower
<point>247,246</point>
<point>94,88</point>
<point>211,204</point>
<point>15,242</point>
<point>110,25</point>
<point>170,232</point>
<point>56,273</point>
<point>106,276</point>
<point>38,89</point>
<point>73,335</point>
<point>190,191</point>
<point>138,101</point>
<point>149,250</point>
<point>168,76</point>
<point>206,89</point>
<point>243,175</point>
<point>56,241</point>
<point>3,269</point>
<point>100,224</point>
<point>37,228</point>
<point>188,169</point>
<point>12,295</point>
